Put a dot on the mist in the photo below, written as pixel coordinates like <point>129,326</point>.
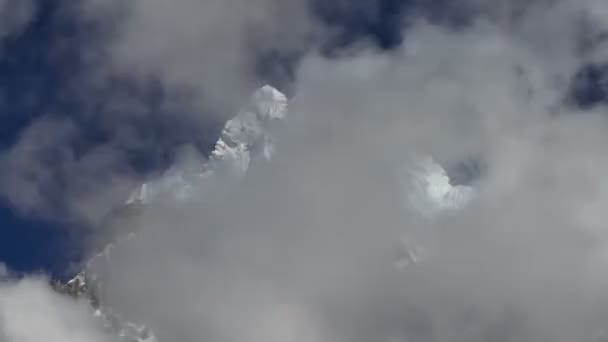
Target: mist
<point>31,311</point>
<point>304,248</point>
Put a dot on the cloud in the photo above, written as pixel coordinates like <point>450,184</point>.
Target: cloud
<point>44,173</point>
<point>148,79</point>
<point>15,17</point>
<point>3,271</point>
<point>30,311</point>
<point>209,46</point>
<point>304,249</point>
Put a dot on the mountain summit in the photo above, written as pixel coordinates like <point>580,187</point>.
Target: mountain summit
<point>248,135</point>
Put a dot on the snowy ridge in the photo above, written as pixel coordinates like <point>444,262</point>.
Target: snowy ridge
<point>246,136</point>
<point>86,285</point>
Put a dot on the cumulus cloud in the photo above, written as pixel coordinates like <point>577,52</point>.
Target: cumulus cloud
<point>209,46</point>
<point>44,173</point>
<point>30,311</point>
<point>148,78</point>
<point>304,248</point>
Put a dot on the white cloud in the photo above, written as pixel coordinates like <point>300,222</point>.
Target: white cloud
<point>304,248</point>
<point>43,174</point>
<point>315,228</point>
<point>30,311</point>
<point>209,46</point>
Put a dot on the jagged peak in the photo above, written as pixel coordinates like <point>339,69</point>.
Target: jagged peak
<point>269,102</point>
<point>245,134</point>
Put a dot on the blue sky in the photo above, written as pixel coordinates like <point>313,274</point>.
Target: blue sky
<point>29,243</point>
<point>35,66</point>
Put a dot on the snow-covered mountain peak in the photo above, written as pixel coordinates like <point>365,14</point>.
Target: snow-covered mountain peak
<point>269,103</point>
<point>251,130</point>
<point>248,135</point>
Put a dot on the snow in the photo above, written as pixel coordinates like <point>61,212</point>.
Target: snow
<point>430,191</point>
<point>248,135</point>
